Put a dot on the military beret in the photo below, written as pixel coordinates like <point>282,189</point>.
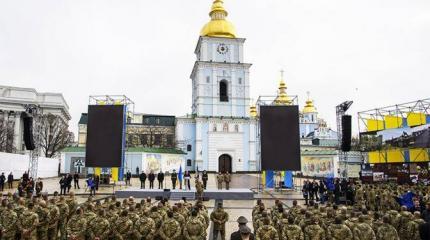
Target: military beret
<point>244,230</point>
<point>242,220</point>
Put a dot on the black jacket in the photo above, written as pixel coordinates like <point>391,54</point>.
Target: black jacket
<point>160,176</point>
<point>142,177</point>
<point>425,230</point>
<point>174,176</point>
<point>205,177</point>
<point>10,178</point>
<point>76,177</point>
<point>236,236</point>
<point>2,179</point>
<point>151,177</point>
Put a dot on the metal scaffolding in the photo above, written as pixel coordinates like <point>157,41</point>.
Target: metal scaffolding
<point>343,156</point>
<point>35,112</point>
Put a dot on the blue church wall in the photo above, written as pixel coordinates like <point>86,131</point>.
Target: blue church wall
<point>246,147</point>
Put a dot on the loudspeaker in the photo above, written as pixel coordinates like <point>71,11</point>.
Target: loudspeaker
<point>346,133</point>
<point>28,133</point>
<point>166,190</point>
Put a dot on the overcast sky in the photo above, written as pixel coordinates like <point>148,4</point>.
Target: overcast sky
<point>375,52</point>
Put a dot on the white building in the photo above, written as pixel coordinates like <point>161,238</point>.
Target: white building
<point>12,105</point>
<point>219,135</point>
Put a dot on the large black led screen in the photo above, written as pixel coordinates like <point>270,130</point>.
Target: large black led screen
<point>105,136</point>
<point>280,138</point>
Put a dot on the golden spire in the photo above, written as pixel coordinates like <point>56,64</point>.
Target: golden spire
<point>282,98</point>
<point>218,26</point>
<point>309,107</point>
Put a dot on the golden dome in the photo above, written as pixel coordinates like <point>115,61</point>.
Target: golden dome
<point>218,26</point>
<point>309,107</point>
<point>282,98</point>
<point>253,111</point>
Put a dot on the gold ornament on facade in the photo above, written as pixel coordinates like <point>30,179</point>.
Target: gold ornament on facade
<point>218,26</point>
<point>253,111</point>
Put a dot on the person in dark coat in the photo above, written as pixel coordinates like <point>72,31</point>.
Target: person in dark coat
<point>151,178</point>
<point>128,178</point>
<point>2,181</point>
<point>160,178</point>
<point>63,185</point>
<point>305,191</point>
<point>137,171</point>
<point>424,230</point>
<point>97,182</point>
<point>174,178</point>
<point>76,180</point>
<point>426,213</point>
<point>10,180</point>
<point>142,178</point>
<point>187,177</point>
<point>69,180</point>
<point>205,179</point>
<point>242,221</point>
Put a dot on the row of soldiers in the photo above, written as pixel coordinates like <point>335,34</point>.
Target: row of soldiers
<point>223,178</point>
<point>362,221</point>
<point>62,218</point>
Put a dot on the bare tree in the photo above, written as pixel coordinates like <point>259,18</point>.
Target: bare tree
<point>7,136</point>
<point>55,135</point>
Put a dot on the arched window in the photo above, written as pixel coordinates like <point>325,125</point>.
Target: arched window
<point>223,91</point>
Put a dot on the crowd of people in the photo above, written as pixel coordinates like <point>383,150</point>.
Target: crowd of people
<point>373,212</point>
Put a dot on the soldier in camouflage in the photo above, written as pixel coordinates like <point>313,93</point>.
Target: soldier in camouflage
<point>64,214</point>
<point>267,231</point>
<point>291,231</point>
<point>219,217</point>
<point>99,228</point>
<point>170,229</point>
<point>9,223</point>
<point>194,229</point>
<point>43,214</point>
<point>123,227</point>
<point>313,231</point>
<point>77,225</point>
<point>339,231</point>
<point>363,231</point>
<point>145,227</point>
<point>54,217</point>
<point>386,231</point>
<point>29,222</point>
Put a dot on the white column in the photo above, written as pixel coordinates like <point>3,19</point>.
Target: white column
<point>18,132</point>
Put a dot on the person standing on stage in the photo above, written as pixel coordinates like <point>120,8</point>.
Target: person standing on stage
<point>2,181</point>
<point>174,177</point>
<point>63,185</point>
<point>227,180</point>
<point>220,179</point>
<point>205,178</point>
<point>151,178</point>
<point>76,180</point>
<point>128,178</point>
<point>187,177</point>
<point>142,178</point>
<point>137,171</point>
<point>39,186</point>
<point>160,178</point>
<point>10,180</point>
<point>69,180</point>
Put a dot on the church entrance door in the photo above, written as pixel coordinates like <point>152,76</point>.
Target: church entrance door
<point>224,163</point>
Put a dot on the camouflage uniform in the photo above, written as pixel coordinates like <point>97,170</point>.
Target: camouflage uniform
<point>266,232</point>
<point>412,228</point>
<point>292,232</point>
<point>76,227</point>
<point>405,217</point>
<point>123,228</point>
<point>227,180</point>
<point>9,224</point>
<point>145,227</point>
<point>219,217</point>
<point>170,230</point>
<point>54,217</point>
<point>220,180</point>
<point>42,229</point>
<point>339,232</point>
<point>386,232</point>
<point>72,204</point>
<point>62,222</point>
<point>99,227</point>
<point>194,229</point>
<point>363,231</point>
<point>314,232</point>
<point>29,221</point>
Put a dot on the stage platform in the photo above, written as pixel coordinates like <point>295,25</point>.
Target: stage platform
<point>232,194</point>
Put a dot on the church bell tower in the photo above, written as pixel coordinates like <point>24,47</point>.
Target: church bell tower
<point>220,78</point>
